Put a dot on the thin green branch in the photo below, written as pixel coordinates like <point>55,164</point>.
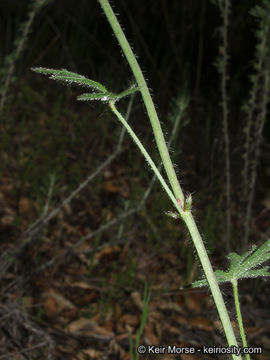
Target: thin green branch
<point>178,194</point>
<point>147,157</point>
<point>150,108</point>
<point>195,235</point>
<point>239,316</point>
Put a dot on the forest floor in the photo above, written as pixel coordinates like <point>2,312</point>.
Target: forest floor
<point>72,283</point>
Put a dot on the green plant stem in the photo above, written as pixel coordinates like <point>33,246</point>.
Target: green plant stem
<point>187,217</point>
<point>147,156</point>
<point>150,108</point>
<point>195,235</point>
<point>239,316</point>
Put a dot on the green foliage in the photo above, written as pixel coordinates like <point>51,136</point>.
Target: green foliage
<point>73,78</point>
<point>139,332</point>
<point>40,315</point>
<point>243,266</point>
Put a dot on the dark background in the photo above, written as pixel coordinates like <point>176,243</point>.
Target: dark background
<point>45,131</point>
<point>167,38</point>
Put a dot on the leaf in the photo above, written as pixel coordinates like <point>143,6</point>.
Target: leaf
<point>80,80</point>
<point>55,303</point>
<point>96,96</point>
<point>243,266</point>
<point>127,92</point>
<point>25,205</point>
<point>172,214</point>
<point>70,77</point>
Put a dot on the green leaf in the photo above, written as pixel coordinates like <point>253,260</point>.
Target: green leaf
<point>127,92</point>
<point>106,97</point>
<point>80,80</point>
<point>70,77</point>
<point>243,266</point>
<point>96,96</point>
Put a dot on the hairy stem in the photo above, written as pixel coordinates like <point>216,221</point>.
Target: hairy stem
<point>178,194</point>
<point>150,108</point>
<point>239,316</point>
<point>195,235</point>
